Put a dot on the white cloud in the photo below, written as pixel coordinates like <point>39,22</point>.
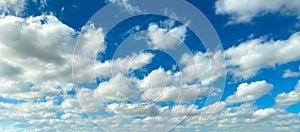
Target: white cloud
<point>12,7</point>
<point>242,11</point>
<point>264,113</point>
<point>160,85</point>
<point>204,67</point>
<point>86,70</point>
<point>213,108</point>
<point>290,98</point>
<point>126,5</point>
<point>245,60</point>
<point>136,109</point>
<point>90,41</point>
<point>118,88</point>
<point>35,57</point>
<point>250,92</point>
<point>89,100</point>
<point>289,73</point>
<point>42,116</point>
<point>35,63</point>
<point>159,78</point>
<point>23,91</point>
<point>70,104</point>
<point>165,38</point>
<point>182,110</point>
<point>40,51</point>
<point>177,93</point>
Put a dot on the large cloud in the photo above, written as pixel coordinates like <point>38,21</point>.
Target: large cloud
<point>241,11</point>
<point>246,59</point>
<point>40,47</point>
<point>35,56</point>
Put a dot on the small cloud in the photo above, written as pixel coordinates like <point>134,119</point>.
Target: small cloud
<point>289,73</point>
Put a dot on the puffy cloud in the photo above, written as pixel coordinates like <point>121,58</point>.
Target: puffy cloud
<point>159,78</point>
<point>25,91</point>
<point>118,88</point>
<point>160,85</point>
<point>178,93</point>
<point>136,109</point>
<point>90,41</point>
<point>208,67</point>
<point>89,100</point>
<point>88,44</point>
<point>241,11</point>
<point>29,110</point>
<point>42,116</point>
<point>290,98</point>
<point>213,108</point>
<point>182,110</point>
<point>164,38</point>
<point>35,63</point>
<point>250,92</point>
<point>35,57</point>
<point>264,113</point>
<point>86,70</point>
<point>289,73</point>
<point>70,104</point>
<point>40,47</point>
<point>246,59</point>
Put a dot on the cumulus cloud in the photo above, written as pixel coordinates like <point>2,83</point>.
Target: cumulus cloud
<point>205,68</point>
<point>242,11</point>
<point>164,86</point>
<point>89,100</point>
<point>165,38</point>
<point>290,98</point>
<point>264,113</point>
<point>24,91</point>
<point>136,109</point>
<point>86,69</point>
<point>246,59</point>
<point>35,54</point>
<point>243,117</point>
<point>90,41</point>
<point>19,49</point>
<point>289,73</point>
<point>118,88</point>
<point>250,92</point>
<point>159,78</point>
<point>40,116</point>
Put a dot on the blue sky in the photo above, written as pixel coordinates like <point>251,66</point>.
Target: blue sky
<point>222,65</point>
